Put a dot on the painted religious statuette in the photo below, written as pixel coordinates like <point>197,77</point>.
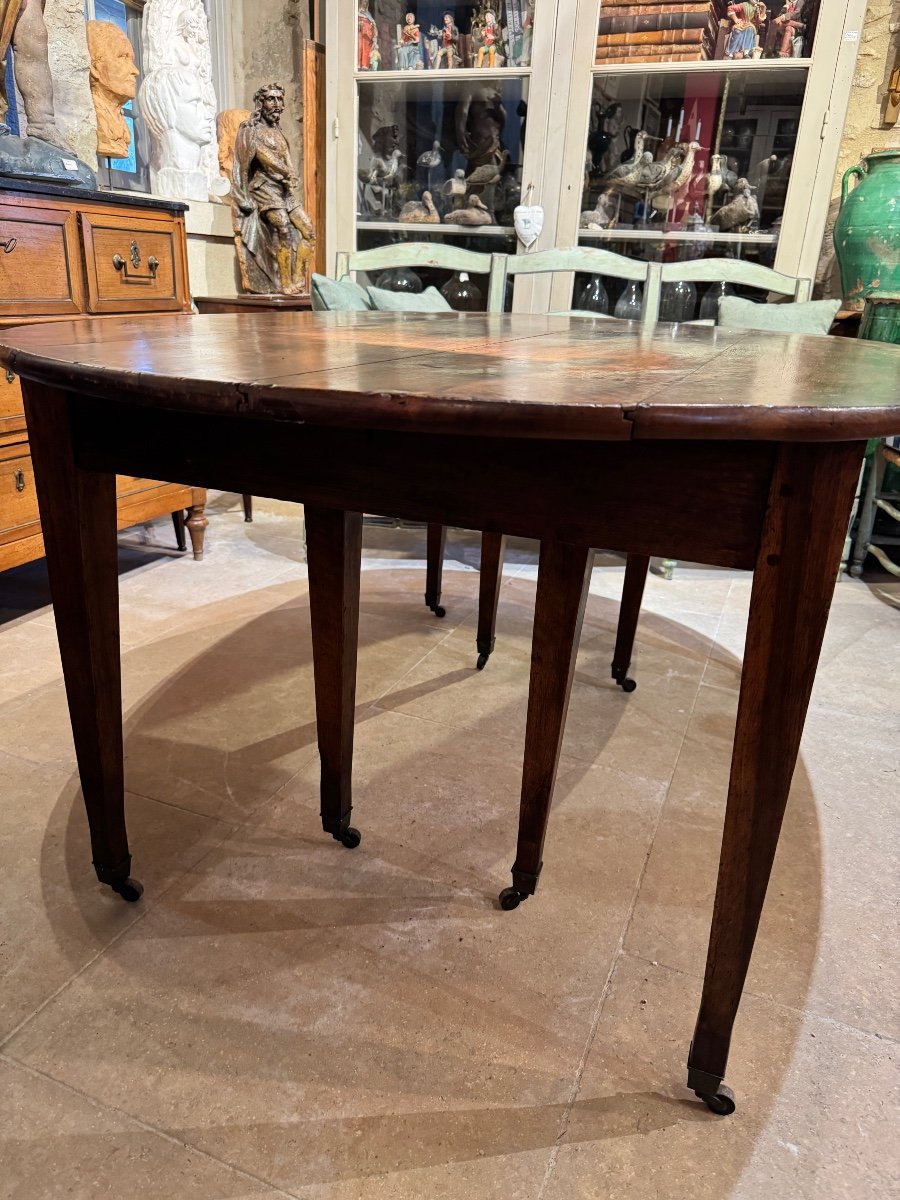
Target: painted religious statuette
<point>446,40</point>
<point>789,25</point>
<point>409,46</point>
<point>274,236</point>
<point>368,56</point>
<point>486,37</point>
<point>743,38</point>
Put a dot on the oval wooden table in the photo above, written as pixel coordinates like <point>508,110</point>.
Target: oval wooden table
<point>736,450</point>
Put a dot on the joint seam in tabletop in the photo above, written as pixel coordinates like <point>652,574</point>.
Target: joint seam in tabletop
<point>164,1134</point>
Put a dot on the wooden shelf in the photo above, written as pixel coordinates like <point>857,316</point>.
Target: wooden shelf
<point>443,75</point>
<point>707,64</point>
<point>451,230</point>
<point>675,235</point>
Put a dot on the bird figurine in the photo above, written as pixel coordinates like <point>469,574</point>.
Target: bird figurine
<point>431,160</point>
<point>488,173</point>
<point>422,212</point>
<point>719,175</point>
<point>625,171</point>
<point>455,188</point>
<point>603,215</point>
<point>475,213</point>
<point>741,214</point>
<point>666,197</point>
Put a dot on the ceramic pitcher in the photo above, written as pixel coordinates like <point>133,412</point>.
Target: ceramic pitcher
<point>867,229</point>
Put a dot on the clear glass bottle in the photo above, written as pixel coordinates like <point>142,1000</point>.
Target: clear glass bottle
<point>593,296</point>
<point>709,305</point>
<point>678,301</point>
<point>629,304</point>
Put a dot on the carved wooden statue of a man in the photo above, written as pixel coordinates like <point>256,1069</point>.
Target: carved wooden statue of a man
<point>22,27</point>
<point>275,237</point>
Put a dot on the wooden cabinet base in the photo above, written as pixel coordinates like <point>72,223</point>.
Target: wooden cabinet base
<point>72,255</point>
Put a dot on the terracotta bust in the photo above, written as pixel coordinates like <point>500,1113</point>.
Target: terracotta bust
<point>227,125</point>
<point>113,83</point>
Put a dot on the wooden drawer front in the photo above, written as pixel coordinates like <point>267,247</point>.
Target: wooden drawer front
<point>132,264</point>
<point>12,412</point>
<point>40,272</point>
<point>18,499</point>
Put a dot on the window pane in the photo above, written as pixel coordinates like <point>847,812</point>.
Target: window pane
<point>395,35</point>
<point>699,30</point>
<point>690,164</point>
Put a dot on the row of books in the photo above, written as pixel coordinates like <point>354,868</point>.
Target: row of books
<point>658,31</point>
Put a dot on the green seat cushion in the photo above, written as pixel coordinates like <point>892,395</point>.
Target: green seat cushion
<point>430,300</point>
<point>813,316</point>
<point>338,295</point>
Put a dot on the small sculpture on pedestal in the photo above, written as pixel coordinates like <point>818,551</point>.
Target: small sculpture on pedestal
<point>173,109</point>
<point>274,236</point>
<point>486,38</point>
<point>743,38</point>
<point>113,83</point>
<point>43,153</point>
<point>789,26</point>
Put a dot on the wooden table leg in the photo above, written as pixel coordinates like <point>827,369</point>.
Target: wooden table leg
<point>334,554</point>
<point>78,521</point>
<point>636,568</point>
<point>493,546</point>
<point>796,568</point>
<point>434,568</point>
<point>564,574</point>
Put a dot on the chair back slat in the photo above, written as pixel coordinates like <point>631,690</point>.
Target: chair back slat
<point>414,254</point>
<point>735,270</point>
<point>587,259</point>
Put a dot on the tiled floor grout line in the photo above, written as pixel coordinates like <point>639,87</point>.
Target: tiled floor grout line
<point>147,1126</point>
<point>146,907</point>
<point>620,945</point>
<point>845,1026</point>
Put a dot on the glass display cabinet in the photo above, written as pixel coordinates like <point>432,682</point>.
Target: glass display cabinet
<point>667,130</point>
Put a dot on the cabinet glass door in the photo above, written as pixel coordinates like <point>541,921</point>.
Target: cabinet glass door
<point>441,137</point>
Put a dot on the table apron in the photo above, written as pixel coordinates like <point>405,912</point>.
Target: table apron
<point>698,501</point>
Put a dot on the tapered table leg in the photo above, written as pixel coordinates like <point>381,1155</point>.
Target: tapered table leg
<point>564,573</point>
<point>493,546</point>
<point>334,552</point>
<point>434,568</point>
<point>78,520</point>
<point>636,568</point>
<point>796,569</point>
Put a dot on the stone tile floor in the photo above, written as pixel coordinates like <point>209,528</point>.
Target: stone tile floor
<point>281,1017</point>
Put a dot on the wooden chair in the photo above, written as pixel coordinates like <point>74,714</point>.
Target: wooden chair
<point>437,257</point>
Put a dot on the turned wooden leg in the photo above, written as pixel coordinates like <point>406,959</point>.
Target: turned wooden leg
<point>493,546</point>
<point>248,509</point>
<point>564,574</point>
<point>434,571</point>
<point>178,522</point>
<point>197,522</point>
<point>636,568</point>
<point>78,521</point>
<point>334,555</point>
<point>796,568</point>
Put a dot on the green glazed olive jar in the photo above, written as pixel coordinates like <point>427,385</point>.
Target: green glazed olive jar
<point>867,229</point>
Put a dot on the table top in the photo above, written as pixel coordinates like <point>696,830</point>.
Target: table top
<point>476,374</point>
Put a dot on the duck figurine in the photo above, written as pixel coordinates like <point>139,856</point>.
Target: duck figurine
<point>488,173</point>
<point>423,212</point>
<point>475,213</point>
<point>740,215</point>
<point>625,172</point>
<point>603,215</point>
<point>677,177</point>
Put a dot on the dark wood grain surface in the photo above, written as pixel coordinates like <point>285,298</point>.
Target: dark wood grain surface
<point>477,374</point>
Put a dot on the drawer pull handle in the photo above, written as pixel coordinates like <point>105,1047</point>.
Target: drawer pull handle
<point>10,376</point>
<point>131,276</point>
<point>20,481</point>
<point>8,244</point>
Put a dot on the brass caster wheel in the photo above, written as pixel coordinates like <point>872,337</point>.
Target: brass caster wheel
<point>348,837</point>
<point>129,889</point>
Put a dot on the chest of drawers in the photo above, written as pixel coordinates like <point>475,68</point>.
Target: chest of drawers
<point>65,256</point>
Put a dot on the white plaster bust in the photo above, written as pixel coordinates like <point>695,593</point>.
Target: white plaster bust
<point>176,34</point>
<point>179,126</point>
